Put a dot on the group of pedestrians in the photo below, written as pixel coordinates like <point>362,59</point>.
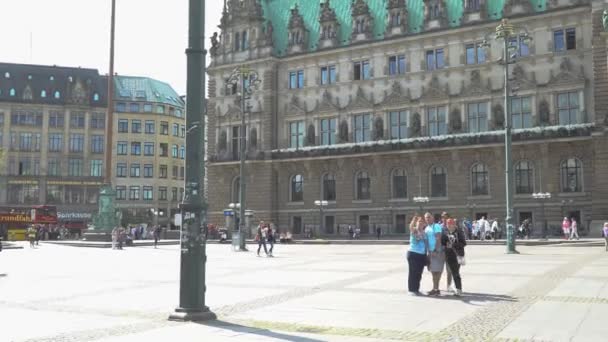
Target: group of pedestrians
<point>570,228</point>
<point>122,236</point>
<point>482,229</point>
<point>433,245</point>
<point>265,235</point>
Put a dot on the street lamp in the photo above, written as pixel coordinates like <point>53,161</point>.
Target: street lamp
<point>235,207</point>
<point>421,201</point>
<point>542,196</point>
<point>245,80</point>
<point>321,204</point>
<point>507,32</point>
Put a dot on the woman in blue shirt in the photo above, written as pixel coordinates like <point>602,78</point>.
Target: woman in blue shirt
<point>416,256</point>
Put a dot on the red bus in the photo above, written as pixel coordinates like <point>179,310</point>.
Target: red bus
<point>15,221</point>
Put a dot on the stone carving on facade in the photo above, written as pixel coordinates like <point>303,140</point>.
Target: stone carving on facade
<point>498,114</point>
<point>397,96</point>
<point>240,18</point>
<point>435,14</point>
<point>475,87</point>
<point>566,75</point>
<point>326,104</point>
<point>215,44</point>
<point>28,94</point>
<point>396,20</point>
<point>416,126</point>
<point>268,34</point>
<point>359,101</point>
<point>78,93</point>
<point>605,20</point>
<point>474,10</point>
<point>521,80</point>
<point>435,91</point>
<point>517,7</point>
<point>233,113</point>
<point>544,115</point>
<point>362,21</point>
<point>329,26</point>
<point>298,34</point>
<point>310,135</point>
<point>222,143</point>
<point>343,131</point>
<point>378,128</point>
<point>295,106</point>
<point>455,121</point>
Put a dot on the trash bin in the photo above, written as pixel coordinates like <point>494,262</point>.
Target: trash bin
<point>236,241</point>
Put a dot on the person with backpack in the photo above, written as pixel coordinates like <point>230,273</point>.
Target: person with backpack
<point>454,240</point>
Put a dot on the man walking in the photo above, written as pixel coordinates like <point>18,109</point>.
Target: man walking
<point>157,230</point>
<point>378,232</point>
<point>574,229</point>
<point>261,236</point>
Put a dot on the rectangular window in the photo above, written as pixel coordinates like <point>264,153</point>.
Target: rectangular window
<point>135,171</point>
<point>134,193</point>
<point>176,130</point>
<point>160,109</point>
<point>98,121</point>
<point>475,53</point>
<point>296,79</point>
<point>164,150</point>
<point>26,118</point>
<point>55,142</point>
<point>121,107</point>
<point>56,119</point>
<point>175,151</point>
<point>123,126</point>
<point>148,149</point>
<point>436,119</point>
<point>148,108</point>
<point>96,168</point>
<point>148,170</point>
<point>164,128</point>
<point>75,168</point>
<point>564,40</point>
<point>174,171</point>
<point>396,65</point>
<point>97,142</point>
<point>296,134</point>
<point>183,131</point>
<point>477,117</point>
<point>182,172</point>
<point>162,193</point>
<point>148,193</point>
<point>77,120</point>
<point>76,143</point>
<point>135,126</point>
<point>398,122</point>
<point>135,148</point>
<point>53,167</point>
<point>134,107</point>
<point>121,170</point>
<point>162,171</point>
<point>362,128</point>
<point>236,142</point>
<point>521,112</point>
<point>523,49</point>
<point>182,152</point>
<point>328,75</point>
<point>328,131</point>
<point>122,148</point>
<point>434,59</point>
<point>149,127</point>
<point>361,71</point>
<point>25,142</point>
<point>568,108</point>
<point>174,194</point>
<point>121,193</point>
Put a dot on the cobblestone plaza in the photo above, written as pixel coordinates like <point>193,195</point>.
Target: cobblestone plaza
<point>306,293</point>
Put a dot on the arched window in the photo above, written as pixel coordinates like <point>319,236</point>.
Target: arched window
<point>43,94</point>
<point>399,183</point>
<point>297,188</point>
<point>7,75</point>
<point>524,177</point>
<point>329,187</point>
<point>57,95</point>
<point>95,97</point>
<point>237,41</point>
<point>439,182</point>
<point>479,180</point>
<point>572,175</point>
<point>12,92</point>
<point>236,194</point>
<point>245,43</point>
<point>362,186</point>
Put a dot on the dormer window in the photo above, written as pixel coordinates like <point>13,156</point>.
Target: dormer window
<point>472,5</point>
<point>395,19</point>
<point>360,26</point>
<point>297,38</point>
<point>329,26</point>
<point>435,14</point>
<point>57,95</point>
<point>362,21</point>
<point>12,92</point>
<point>7,75</point>
<point>43,94</point>
<point>237,41</point>
<point>96,97</point>
<point>52,78</point>
<point>29,77</point>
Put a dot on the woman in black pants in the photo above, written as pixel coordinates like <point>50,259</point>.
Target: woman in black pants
<point>416,256</point>
<point>454,241</point>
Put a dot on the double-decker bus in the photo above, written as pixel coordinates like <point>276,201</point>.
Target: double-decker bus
<point>15,221</point>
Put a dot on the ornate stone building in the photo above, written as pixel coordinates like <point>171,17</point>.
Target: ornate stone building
<point>368,104</point>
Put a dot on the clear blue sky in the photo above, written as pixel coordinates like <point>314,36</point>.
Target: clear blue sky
<point>151,35</point>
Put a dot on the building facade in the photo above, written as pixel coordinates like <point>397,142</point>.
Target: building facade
<point>368,104</point>
<point>149,150</point>
<point>52,137</point>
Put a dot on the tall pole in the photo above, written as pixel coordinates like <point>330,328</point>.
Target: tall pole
<point>242,182</point>
<point>110,97</point>
<point>193,232</point>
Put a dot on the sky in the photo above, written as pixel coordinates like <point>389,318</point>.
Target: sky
<point>151,35</point>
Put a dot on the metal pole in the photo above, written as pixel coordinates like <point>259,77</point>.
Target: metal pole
<point>110,98</point>
<point>193,208</point>
<point>242,181</point>
<point>508,162</point>
<point>321,218</point>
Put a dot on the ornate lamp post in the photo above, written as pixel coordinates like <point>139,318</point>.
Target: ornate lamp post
<point>321,204</point>
<point>507,32</point>
<point>543,196</point>
<point>193,207</point>
<point>246,80</point>
<point>421,201</point>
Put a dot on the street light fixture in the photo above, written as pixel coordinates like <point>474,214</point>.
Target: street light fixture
<point>421,201</point>
<point>245,80</point>
<point>543,196</point>
<point>321,204</point>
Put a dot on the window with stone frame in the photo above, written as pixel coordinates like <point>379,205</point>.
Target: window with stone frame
<point>435,59</point>
<point>439,182</point>
<point>475,53</point>
<point>135,171</point>
<point>398,124</point>
<point>399,184</point>
<point>328,74</point>
<point>296,134</point>
<point>328,131</point>
<point>479,180</point>
<point>521,45</point>
<point>396,65</point>
<point>564,39</point>
<point>361,70</point>
<point>363,186</point>
<point>362,127</point>
<point>436,120</point>
<point>121,193</point>
<point>296,79</point>
<point>524,177</point>
<point>521,112</point>
<point>477,115</point>
<point>134,193</point>
<point>568,108</point>
<point>571,175</point>
<point>297,188</point>
<point>329,187</point>
<point>121,170</point>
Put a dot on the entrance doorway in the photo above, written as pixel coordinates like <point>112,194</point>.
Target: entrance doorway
<point>525,215</point>
<point>478,216</point>
<point>400,224</point>
<point>329,224</point>
<point>297,225</point>
<point>364,224</point>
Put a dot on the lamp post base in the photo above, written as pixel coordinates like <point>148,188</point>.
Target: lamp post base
<point>190,315</point>
<point>238,242</point>
<point>512,252</point>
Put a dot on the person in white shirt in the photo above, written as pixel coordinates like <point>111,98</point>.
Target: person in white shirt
<point>495,229</point>
<point>484,228</point>
<point>574,229</point>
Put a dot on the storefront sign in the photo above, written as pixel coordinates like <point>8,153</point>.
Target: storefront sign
<point>15,218</point>
<point>22,181</point>
<point>55,182</point>
<point>74,216</point>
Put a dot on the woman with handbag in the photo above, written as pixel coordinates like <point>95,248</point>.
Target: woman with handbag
<point>454,241</point>
<point>417,255</point>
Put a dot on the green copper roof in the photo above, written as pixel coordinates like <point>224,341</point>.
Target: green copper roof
<point>133,88</point>
<point>278,12</point>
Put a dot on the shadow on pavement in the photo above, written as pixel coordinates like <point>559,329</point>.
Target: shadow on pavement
<point>3,275</point>
<point>468,297</point>
<point>257,331</point>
